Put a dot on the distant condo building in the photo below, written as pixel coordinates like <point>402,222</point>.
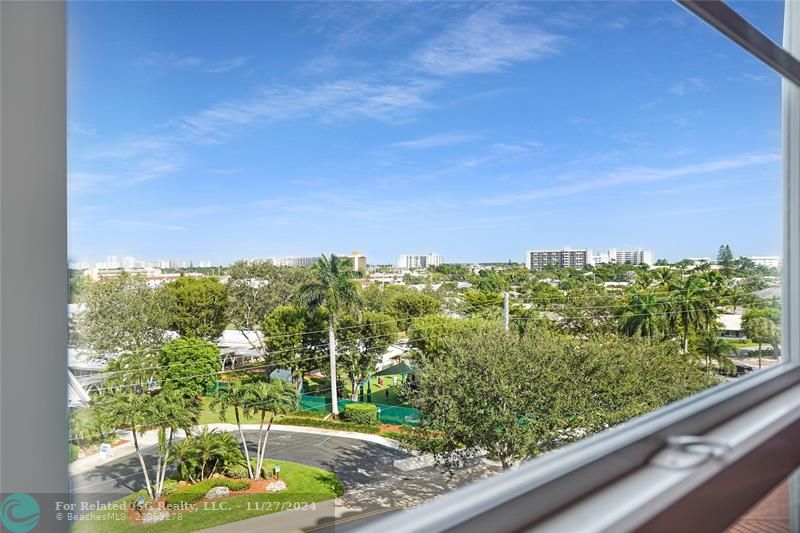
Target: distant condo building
<point>293,262</point>
<point>358,261</point>
<point>565,257</point>
<point>411,262</point>
<point>770,261</point>
<point>636,256</point>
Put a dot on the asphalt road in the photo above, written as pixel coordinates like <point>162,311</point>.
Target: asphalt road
<point>355,462</point>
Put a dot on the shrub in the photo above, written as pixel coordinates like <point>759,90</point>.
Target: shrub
<point>170,487</point>
<point>199,455</point>
<point>237,472</point>
<point>329,424</point>
<point>195,493</point>
<point>361,413</point>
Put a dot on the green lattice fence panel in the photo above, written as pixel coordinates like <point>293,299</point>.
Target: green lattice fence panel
<point>315,404</point>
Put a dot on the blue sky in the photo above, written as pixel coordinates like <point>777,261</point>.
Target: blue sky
<point>475,130</point>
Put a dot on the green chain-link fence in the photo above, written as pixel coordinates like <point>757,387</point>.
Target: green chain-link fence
<point>388,414</point>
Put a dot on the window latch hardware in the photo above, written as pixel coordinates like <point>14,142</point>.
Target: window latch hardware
<point>689,451</point>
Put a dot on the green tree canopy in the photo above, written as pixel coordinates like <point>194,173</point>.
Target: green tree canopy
<point>406,306</point>
<point>123,314</point>
<point>429,335</point>
<point>189,365</point>
<point>362,341</point>
<point>255,288</point>
<point>197,307</point>
<point>516,397</point>
<point>294,338</point>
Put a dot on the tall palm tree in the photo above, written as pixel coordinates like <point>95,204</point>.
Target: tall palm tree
<point>690,306</point>
<point>130,410</point>
<point>665,276</point>
<point>235,395</point>
<point>275,397</point>
<point>175,411</point>
<point>645,315</point>
<point>335,289</point>
<point>713,348</point>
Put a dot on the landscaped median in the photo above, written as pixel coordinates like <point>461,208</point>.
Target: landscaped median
<point>187,508</point>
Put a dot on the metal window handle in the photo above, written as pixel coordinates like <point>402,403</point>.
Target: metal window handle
<point>689,451</point>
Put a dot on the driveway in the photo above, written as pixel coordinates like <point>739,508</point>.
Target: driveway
<point>355,462</point>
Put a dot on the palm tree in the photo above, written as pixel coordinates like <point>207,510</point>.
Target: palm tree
<point>758,329</point>
<point>665,276</point>
<point>176,411</point>
<point>736,297</point>
<point>166,411</point>
<point>690,306</point>
<point>275,397</point>
<point>714,348</point>
<point>201,455</point>
<point>645,315</point>
<point>235,395</point>
<point>211,448</point>
<point>335,289</point>
<point>130,410</point>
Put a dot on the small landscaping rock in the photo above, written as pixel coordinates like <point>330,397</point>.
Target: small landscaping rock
<point>216,475</point>
<point>154,515</point>
<point>182,484</point>
<point>217,492</point>
<point>275,486</point>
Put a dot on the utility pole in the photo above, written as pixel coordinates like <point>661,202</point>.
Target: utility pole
<point>505,311</point>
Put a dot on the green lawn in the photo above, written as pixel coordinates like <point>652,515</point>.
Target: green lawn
<point>744,344</point>
<point>208,416</point>
<point>306,486</point>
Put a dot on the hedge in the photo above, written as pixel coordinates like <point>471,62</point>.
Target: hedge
<point>328,424</point>
<point>361,413</point>
<point>195,493</point>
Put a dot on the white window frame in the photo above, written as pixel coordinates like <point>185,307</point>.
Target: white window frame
<point>696,465</point>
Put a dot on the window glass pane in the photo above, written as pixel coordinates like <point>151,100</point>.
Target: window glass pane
<point>511,225</point>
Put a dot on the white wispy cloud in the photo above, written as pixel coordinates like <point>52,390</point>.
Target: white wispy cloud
<point>691,85</point>
<point>226,66</point>
<point>634,175</point>
<point>437,141</point>
<point>343,99</point>
<point>180,62</point>
<point>82,181</point>
<point>127,162</point>
<point>486,41</point>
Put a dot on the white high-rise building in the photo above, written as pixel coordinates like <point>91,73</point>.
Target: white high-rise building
<point>771,261</point>
<point>636,256</point>
<point>565,257</point>
<point>128,262</point>
<point>410,262</point>
<point>290,261</point>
